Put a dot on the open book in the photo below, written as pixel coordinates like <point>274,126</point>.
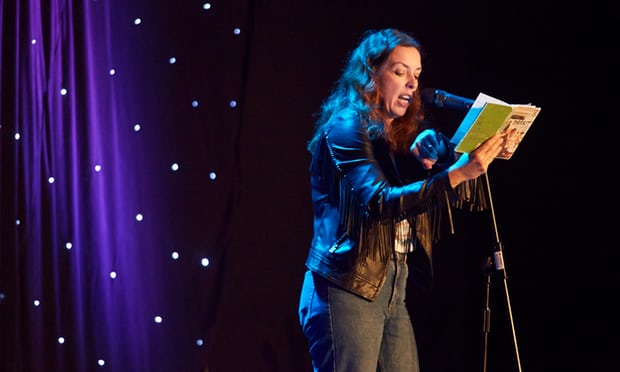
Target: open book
<point>488,116</point>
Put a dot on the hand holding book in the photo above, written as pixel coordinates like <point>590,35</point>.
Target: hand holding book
<point>489,115</point>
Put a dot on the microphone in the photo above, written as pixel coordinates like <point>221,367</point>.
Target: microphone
<point>439,98</point>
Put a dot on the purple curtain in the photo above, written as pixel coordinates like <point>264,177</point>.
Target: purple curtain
<point>119,145</point>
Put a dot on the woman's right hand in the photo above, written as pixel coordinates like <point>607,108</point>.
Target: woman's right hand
<point>471,165</point>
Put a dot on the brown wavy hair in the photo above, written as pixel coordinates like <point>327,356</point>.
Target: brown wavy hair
<point>356,89</point>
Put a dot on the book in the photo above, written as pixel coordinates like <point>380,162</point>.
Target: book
<point>489,115</point>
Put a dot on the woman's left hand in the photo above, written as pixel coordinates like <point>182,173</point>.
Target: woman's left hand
<point>428,147</point>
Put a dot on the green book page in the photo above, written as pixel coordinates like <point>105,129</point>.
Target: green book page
<point>488,122</point>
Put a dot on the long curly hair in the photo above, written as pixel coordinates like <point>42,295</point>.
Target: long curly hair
<point>356,89</point>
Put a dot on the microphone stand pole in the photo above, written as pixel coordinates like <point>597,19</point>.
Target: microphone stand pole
<point>497,259</point>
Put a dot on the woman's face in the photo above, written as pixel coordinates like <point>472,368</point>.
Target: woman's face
<point>397,79</point>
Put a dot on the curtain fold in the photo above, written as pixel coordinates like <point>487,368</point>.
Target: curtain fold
<point>104,241</point>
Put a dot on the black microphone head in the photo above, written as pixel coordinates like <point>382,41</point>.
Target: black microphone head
<point>441,99</point>
<point>428,95</point>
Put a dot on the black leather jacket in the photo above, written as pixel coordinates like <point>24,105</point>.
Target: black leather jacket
<point>359,191</point>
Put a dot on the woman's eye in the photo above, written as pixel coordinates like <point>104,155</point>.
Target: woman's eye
<point>399,73</point>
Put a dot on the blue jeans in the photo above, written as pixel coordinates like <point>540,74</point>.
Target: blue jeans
<point>348,333</point>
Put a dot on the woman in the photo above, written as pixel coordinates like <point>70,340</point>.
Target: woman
<point>376,176</point>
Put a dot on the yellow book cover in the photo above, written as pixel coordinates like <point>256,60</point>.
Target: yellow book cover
<point>488,116</point>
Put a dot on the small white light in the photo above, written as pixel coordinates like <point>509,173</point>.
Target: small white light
<point>194,103</point>
<point>158,319</point>
<point>113,274</point>
<point>101,362</point>
<point>199,342</point>
<point>212,175</point>
<point>68,245</point>
<point>61,340</point>
<point>206,6</point>
<point>37,303</point>
<point>236,31</point>
<point>33,41</point>
<point>139,217</point>
<point>17,136</point>
<point>175,255</point>
<point>18,222</point>
<point>97,168</point>
<point>50,180</point>
<point>112,71</point>
<point>172,60</point>
<point>204,262</point>
<point>174,167</point>
<point>63,91</point>
<point>137,21</point>
<point>136,127</point>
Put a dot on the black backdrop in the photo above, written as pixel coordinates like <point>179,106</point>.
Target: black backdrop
<point>520,52</point>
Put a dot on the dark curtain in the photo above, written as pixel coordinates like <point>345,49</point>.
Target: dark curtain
<point>154,198</point>
<point>119,149</point>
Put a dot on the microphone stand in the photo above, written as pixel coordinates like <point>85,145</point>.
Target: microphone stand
<point>497,258</point>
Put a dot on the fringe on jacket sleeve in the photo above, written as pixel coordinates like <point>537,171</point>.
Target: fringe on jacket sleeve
<point>430,227</point>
